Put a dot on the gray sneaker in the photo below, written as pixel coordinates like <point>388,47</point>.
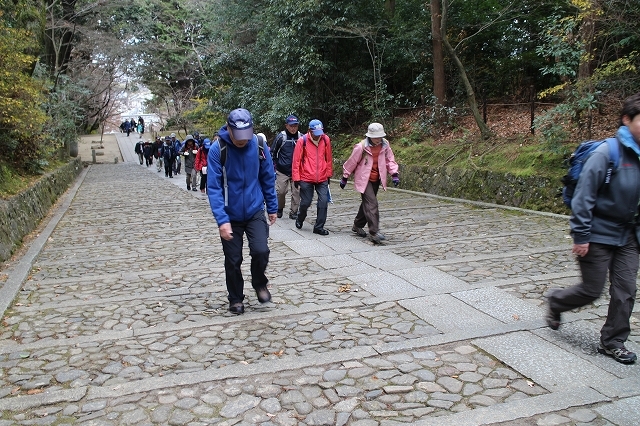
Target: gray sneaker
<point>361,232</point>
<point>620,354</point>
<point>375,238</point>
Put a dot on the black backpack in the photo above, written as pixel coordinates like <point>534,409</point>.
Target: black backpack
<point>577,160</point>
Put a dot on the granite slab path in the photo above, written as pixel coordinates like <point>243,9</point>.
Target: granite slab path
<point>117,315</point>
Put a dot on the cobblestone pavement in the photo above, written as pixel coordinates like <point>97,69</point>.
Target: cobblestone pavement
<point>121,318</point>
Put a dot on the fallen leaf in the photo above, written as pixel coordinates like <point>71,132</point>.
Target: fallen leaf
<point>516,317</point>
<point>34,391</point>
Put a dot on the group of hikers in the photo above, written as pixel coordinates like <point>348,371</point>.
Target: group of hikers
<point>243,186</point>
<point>169,153</point>
<point>248,181</point>
<point>129,126</point>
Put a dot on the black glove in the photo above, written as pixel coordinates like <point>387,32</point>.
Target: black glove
<point>395,179</point>
<point>296,184</point>
<point>343,182</point>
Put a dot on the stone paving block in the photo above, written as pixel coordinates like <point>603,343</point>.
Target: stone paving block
<point>310,248</point>
<point>337,261</point>
<point>621,388</point>
<point>448,314</point>
<point>381,283</point>
<point>622,412</point>
<point>383,259</point>
<point>356,382</point>
<point>282,234</point>
<point>347,243</point>
<point>500,304</point>
<point>517,410</point>
<point>581,338</point>
<point>543,362</point>
<point>510,265</point>
<point>432,280</point>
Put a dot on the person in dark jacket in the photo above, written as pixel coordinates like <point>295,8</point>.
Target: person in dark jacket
<point>238,198</point>
<point>177,147</point>
<point>138,150</point>
<point>157,152</point>
<point>168,154</point>
<point>605,230</point>
<point>147,149</point>
<point>282,155</point>
<point>189,151</point>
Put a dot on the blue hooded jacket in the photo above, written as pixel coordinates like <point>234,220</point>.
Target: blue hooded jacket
<point>250,181</point>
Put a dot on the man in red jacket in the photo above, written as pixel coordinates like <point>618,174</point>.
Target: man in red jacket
<point>311,170</point>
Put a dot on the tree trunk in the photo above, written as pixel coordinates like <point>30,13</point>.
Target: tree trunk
<point>390,8</point>
<point>586,35</point>
<point>439,83</point>
<point>471,97</point>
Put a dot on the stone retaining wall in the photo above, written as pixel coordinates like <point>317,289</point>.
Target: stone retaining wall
<point>535,193</point>
<point>22,213</point>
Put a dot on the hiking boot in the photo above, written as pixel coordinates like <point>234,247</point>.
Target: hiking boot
<point>263,295</point>
<point>188,188</point>
<point>381,236</point>
<point>293,216</point>
<point>279,214</point>
<point>361,232</point>
<point>320,231</point>
<point>236,308</point>
<point>375,238</point>
<point>553,319</point>
<point>298,223</point>
<point>620,354</point>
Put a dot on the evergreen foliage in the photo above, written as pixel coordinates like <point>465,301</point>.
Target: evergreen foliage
<point>344,62</point>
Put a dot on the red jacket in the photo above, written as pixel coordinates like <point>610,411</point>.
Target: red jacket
<point>311,163</point>
<point>201,159</point>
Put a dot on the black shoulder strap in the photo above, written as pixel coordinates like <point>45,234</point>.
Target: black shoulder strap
<point>260,148</point>
<point>279,142</point>
<point>223,151</point>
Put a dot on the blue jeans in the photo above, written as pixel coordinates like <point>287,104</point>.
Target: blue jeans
<point>306,196</point>
<point>257,231</point>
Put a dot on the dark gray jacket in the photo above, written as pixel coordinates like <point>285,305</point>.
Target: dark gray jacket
<point>606,213</point>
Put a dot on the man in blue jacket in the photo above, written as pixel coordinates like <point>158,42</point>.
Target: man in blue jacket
<point>605,226</point>
<point>241,181</point>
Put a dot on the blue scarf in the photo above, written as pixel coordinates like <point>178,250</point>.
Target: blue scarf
<point>626,138</point>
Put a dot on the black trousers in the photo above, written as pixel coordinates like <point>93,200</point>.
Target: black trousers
<point>621,264</point>
<point>168,167</point>
<point>203,181</point>
<point>257,231</point>
<point>306,196</point>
